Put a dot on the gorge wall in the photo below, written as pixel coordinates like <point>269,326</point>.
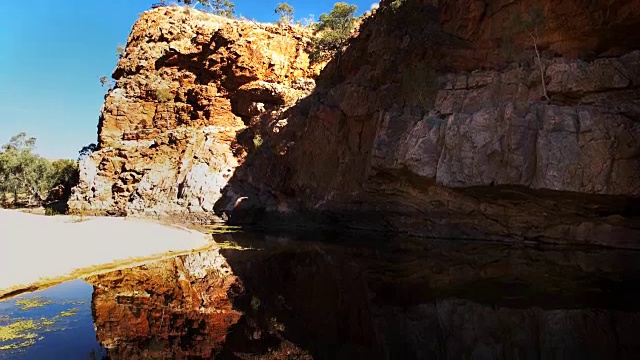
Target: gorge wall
<point>433,121</point>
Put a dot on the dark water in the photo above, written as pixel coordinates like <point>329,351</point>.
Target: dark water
<point>356,296</point>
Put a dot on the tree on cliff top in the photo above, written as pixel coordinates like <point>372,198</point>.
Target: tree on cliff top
<point>334,29</point>
<point>285,11</point>
<point>218,7</point>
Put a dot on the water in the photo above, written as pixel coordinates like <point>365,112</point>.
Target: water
<point>58,320</point>
<point>354,296</point>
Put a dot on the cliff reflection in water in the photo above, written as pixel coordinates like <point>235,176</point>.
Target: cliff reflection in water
<point>399,299</point>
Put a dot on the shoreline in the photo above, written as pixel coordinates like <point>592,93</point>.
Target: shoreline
<point>37,251</point>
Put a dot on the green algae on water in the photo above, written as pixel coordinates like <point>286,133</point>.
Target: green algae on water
<point>25,304</point>
<point>69,312</point>
<point>20,334</point>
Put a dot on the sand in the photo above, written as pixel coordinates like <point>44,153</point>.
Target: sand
<point>37,247</point>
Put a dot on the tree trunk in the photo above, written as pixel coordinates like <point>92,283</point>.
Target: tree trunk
<point>544,85</point>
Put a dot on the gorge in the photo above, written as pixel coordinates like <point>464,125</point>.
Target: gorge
<point>434,121</point>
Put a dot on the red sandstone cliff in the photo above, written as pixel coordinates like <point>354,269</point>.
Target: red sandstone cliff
<point>176,124</point>
<point>433,121</point>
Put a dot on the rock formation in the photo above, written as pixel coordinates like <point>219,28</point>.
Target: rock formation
<point>175,126</point>
<point>513,120</point>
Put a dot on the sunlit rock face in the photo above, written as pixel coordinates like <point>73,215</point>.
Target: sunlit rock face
<point>192,92</point>
<point>373,298</point>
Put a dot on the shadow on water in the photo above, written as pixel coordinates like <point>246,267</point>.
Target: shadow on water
<point>364,297</point>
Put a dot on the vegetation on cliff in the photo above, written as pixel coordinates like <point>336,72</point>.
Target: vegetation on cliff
<point>333,30</point>
<point>218,7</point>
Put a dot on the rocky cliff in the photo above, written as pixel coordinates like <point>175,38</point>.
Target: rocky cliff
<point>465,118</point>
<point>192,92</point>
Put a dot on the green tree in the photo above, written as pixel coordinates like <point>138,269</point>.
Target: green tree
<point>86,151</point>
<point>18,163</point>
<point>285,11</point>
<point>334,29</point>
<point>218,7</point>
<point>24,172</point>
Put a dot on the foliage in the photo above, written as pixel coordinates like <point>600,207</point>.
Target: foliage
<point>285,11</point>
<point>334,29</point>
<point>163,94</point>
<point>257,141</point>
<point>120,51</point>
<point>22,171</point>
<point>219,7</point>
<point>86,151</point>
<point>396,4</point>
<point>62,172</point>
<point>106,82</point>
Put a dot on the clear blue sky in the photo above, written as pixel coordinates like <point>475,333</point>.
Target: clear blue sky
<point>53,52</point>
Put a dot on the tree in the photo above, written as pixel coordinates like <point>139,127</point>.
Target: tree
<point>120,51</point>
<point>18,165</point>
<point>106,82</point>
<point>219,7</point>
<point>86,151</point>
<point>22,171</point>
<point>285,11</point>
<point>334,30</point>
<point>530,24</point>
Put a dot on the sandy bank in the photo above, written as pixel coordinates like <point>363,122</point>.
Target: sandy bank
<point>33,247</point>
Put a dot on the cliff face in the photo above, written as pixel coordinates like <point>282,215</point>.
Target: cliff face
<point>440,118</point>
<point>435,121</point>
<point>176,125</point>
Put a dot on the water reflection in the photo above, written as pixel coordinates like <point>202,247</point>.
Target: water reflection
<point>369,298</point>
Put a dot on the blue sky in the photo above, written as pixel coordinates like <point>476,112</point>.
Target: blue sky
<point>52,54</point>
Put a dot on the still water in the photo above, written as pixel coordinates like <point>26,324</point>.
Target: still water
<point>354,296</point>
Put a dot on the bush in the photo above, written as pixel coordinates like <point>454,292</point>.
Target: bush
<point>257,141</point>
<point>163,94</point>
<point>334,29</point>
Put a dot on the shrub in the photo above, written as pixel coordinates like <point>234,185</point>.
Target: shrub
<point>120,51</point>
<point>163,94</point>
<point>257,141</point>
<point>396,4</point>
